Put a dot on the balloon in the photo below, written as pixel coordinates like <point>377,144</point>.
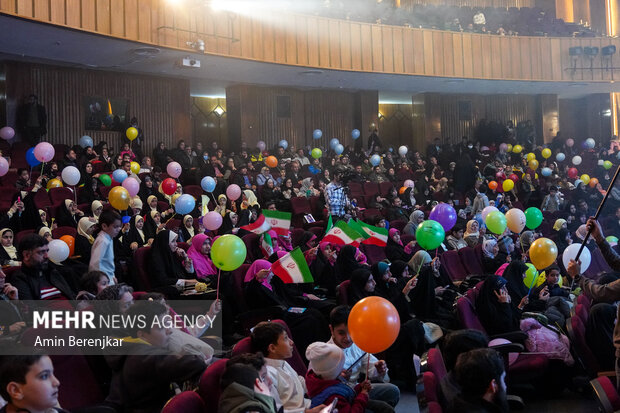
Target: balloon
<point>105,179</point>
<point>174,169</point>
<point>530,156</point>
<point>333,142</point>
<point>317,134</point>
<point>316,153</point>
<point>409,183</point>
<point>402,190</point>
<point>132,186</point>
<point>4,166</point>
<point>86,141</point>
<point>513,177</point>
<point>70,241</point>
<point>44,152</point>
<point>533,164</point>
<point>515,220</point>
<point>54,183</point>
<point>493,185</point>
<point>131,133</point>
<point>571,252</point>
<point>212,220</point>
<point>484,149</point>
<point>496,222</point>
<point>531,276</point>
<point>444,214</point>
<point>7,133</point>
<point>355,133</point>
<point>169,186</point>
<point>119,198</point>
<point>618,156</point>
<point>283,143</point>
<point>585,178</point>
<point>486,212</point>
<point>533,217</point>
<point>613,241</point>
<point>607,164</point>
<point>577,160</point>
<point>517,149</point>
<point>577,182</point>
<point>560,157</point>
<point>135,167</point>
<point>509,148</point>
<point>375,160</point>
<point>546,153</point>
<point>543,253</point>
<point>590,143</point>
<point>71,175</point>
<point>600,162</point>
<point>402,151</point>
<point>572,173</point>
<point>228,252</point>
<point>593,182</point>
<point>58,251</point>
<point>119,175</point>
<point>208,184</point>
<point>374,324</point>
<point>339,149</point>
<point>570,142</point>
<point>30,159</point>
<point>271,161</point>
<point>503,147</point>
<point>261,145</point>
<point>233,192</point>
<point>545,171</point>
<point>184,204</point>
<point>507,185</point>
<point>430,234</point>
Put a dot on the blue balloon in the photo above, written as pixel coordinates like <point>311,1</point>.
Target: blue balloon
<point>283,143</point>
<point>30,158</point>
<point>317,134</point>
<point>333,143</point>
<point>560,157</point>
<point>339,149</point>
<point>119,175</point>
<point>375,160</point>
<point>184,204</point>
<point>86,141</point>
<point>545,171</point>
<point>208,184</point>
<point>355,133</point>
<point>479,220</point>
<point>577,182</point>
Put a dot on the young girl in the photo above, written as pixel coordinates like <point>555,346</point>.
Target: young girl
<point>102,254</point>
<point>186,232</point>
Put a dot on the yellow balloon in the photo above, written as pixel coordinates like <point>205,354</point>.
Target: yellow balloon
<point>531,156</point>
<point>507,185</point>
<point>546,153</point>
<point>119,198</point>
<point>54,183</point>
<point>509,148</point>
<point>517,148</point>
<point>585,178</point>
<point>135,167</point>
<point>535,177</point>
<point>533,164</point>
<point>132,133</point>
<point>543,253</point>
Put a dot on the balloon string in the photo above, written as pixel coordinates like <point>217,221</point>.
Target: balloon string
<point>367,366</point>
<point>217,294</point>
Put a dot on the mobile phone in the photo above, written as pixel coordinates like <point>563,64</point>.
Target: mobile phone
<point>331,407</point>
<point>296,310</point>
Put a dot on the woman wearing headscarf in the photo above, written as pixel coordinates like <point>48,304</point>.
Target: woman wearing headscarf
<point>248,199</point>
<point>135,237</point>
<point>472,235</point>
<point>346,263</point>
<point>491,260</point>
<point>68,214</point>
<point>322,266</point>
<point>152,226</point>
<point>89,192</point>
<point>306,241</point>
<point>230,224</point>
<point>271,193</point>
<point>222,207</point>
<point>415,219</point>
<point>43,216</point>
<point>84,239</point>
<point>8,253</point>
<point>408,198</point>
<point>394,250</point>
<point>186,232</point>
<point>559,224</point>
<point>96,208</point>
<point>307,188</point>
<point>199,253</point>
<point>46,233</point>
<point>494,307</point>
<point>525,241</point>
<point>170,269</point>
<point>147,189</point>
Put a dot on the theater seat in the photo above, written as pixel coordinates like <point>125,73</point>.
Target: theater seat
<point>140,257</point>
<point>471,261</point>
<point>452,263</point>
<point>431,387</point>
<point>342,292</point>
<point>576,330</point>
<point>606,394</point>
<point>79,386</point>
<point>58,195</point>
<point>61,231</point>
<point>209,385</point>
<point>185,402</point>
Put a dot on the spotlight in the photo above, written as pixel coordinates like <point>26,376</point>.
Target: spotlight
<point>608,50</point>
<point>590,51</point>
<point>575,51</point>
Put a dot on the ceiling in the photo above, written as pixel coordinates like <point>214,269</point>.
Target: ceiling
<point>37,42</point>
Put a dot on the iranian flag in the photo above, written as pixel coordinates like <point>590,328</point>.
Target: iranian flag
<point>293,268</point>
<point>372,235</point>
<point>280,222</point>
<point>259,226</point>
<point>343,234</point>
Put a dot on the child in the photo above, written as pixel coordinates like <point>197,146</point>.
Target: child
<point>102,255</point>
<point>552,202</point>
<point>28,384</point>
<point>243,388</point>
<point>326,364</point>
<point>455,240</point>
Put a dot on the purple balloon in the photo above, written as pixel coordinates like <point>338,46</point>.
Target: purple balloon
<point>445,215</point>
<point>132,186</point>
<point>212,220</point>
<point>7,133</point>
<point>44,152</point>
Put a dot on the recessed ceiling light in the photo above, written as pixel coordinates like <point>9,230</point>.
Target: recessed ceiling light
<point>454,81</point>
<point>311,72</point>
<point>146,51</point>
<point>578,84</point>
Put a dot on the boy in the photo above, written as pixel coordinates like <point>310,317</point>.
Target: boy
<point>553,201</point>
<point>243,388</point>
<point>28,384</point>
<point>287,387</point>
<point>382,395</point>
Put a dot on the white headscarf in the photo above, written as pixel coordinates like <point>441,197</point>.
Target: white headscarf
<point>83,226</point>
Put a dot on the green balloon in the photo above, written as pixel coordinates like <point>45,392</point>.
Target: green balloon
<point>530,275</point>
<point>317,153</point>
<point>533,217</point>
<point>105,179</point>
<point>430,234</point>
<point>496,222</point>
<point>228,252</point>
<point>607,164</point>
<point>611,238</point>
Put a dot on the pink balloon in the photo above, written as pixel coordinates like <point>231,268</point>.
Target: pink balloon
<point>44,152</point>
<point>132,186</point>
<point>570,142</point>
<point>4,166</point>
<point>408,183</point>
<point>174,169</point>
<point>7,133</point>
<point>233,192</point>
<point>212,221</point>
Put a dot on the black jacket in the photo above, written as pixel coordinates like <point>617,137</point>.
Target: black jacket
<point>28,282</point>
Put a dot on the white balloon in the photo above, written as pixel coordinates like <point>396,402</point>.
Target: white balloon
<point>590,143</point>
<point>576,160</point>
<point>487,210</point>
<point>71,175</point>
<point>59,251</point>
<point>601,162</point>
<point>571,252</point>
<point>402,151</point>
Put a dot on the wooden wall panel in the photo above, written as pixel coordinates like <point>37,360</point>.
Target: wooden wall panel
<point>377,48</point>
<point>419,54</point>
<point>470,3</point>
<point>448,54</point>
<point>387,49</point>
<point>356,47</point>
<point>457,60</point>
<point>399,60</point>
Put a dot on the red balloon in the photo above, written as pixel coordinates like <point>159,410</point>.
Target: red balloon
<point>169,186</point>
<point>374,324</point>
<point>573,173</point>
<point>514,177</point>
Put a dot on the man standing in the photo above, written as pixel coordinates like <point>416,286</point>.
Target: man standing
<point>32,120</point>
<point>336,197</point>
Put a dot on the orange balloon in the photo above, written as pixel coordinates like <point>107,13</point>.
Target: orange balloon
<point>54,183</point>
<point>492,185</point>
<point>543,253</point>
<point>119,198</point>
<point>271,161</point>
<point>374,324</point>
<point>402,190</point>
<point>593,182</point>
<point>70,241</point>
